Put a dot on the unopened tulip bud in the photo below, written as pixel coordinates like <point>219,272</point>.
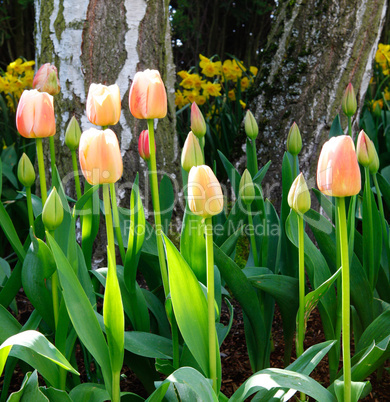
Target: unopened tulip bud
<point>348,101</point>
<point>46,80</point>
<point>365,149</point>
<point>26,172</point>
<point>294,140</point>
<point>53,211</point>
<point>72,134</point>
<point>338,172</point>
<point>299,196</point>
<point>198,125</point>
<point>143,145</point>
<point>374,165</point>
<point>191,155</point>
<point>205,196</point>
<point>247,189</point>
<point>251,127</point>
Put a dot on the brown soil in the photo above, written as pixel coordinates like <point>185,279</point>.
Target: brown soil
<point>235,363</point>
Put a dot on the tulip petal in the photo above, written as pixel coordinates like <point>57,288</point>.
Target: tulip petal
<point>44,122</point>
<point>25,116</point>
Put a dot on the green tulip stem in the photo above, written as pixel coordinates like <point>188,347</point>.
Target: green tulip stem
<point>295,159</point>
<point>342,224</point>
<point>367,190</point>
<point>41,169</point>
<point>29,207</point>
<point>350,126</point>
<point>115,392</point>
<point>175,343</point>
<point>116,222</point>
<point>54,290</point>
<point>76,174</point>
<point>254,156</point>
<point>252,236</point>
<point>301,311</point>
<point>383,220</point>
<point>156,207</point>
<point>208,227</point>
<point>109,226</point>
<point>202,142</point>
<point>52,154</point>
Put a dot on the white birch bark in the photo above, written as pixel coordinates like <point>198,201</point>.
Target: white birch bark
<point>107,41</point>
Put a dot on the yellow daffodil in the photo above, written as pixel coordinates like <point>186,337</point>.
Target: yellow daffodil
<point>238,68</point>
<point>183,74</point>
<point>180,99</point>
<point>243,104</point>
<point>387,94</point>
<point>232,95</point>
<point>213,89</point>
<point>209,68</point>
<point>200,100</point>
<point>253,70</point>
<point>228,71</point>
<point>191,95</point>
<point>245,83</point>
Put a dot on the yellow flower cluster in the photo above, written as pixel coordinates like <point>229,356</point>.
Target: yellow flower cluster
<point>382,57</point>
<point>18,77</point>
<point>198,88</point>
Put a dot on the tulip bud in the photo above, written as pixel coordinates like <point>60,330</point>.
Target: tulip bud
<point>191,155</point>
<point>294,140</point>
<point>338,172</point>
<point>374,165</point>
<point>26,172</point>
<point>299,196</point>
<point>204,192</point>
<point>53,211</point>
<point>251,127</point>
<point>143,145</point>
<point>72,134</point>
<point>247,189</point>
<point>35,115</point>
<point>365,149</point>
<point>198,125</point>
<point>348,101</point>
<point>100,156</point>
<point>103,104</point>
<point>46,80</point>
<point>147,97</point>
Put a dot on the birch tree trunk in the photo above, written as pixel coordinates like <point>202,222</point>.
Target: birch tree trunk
<point>314,50</point>
<point>107,41</point>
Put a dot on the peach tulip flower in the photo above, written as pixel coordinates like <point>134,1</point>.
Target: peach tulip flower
<point>205,196</point>
<point>35,115</point>
<point>103,104</point>
<point>148,98</point>
<point>338,172</point>
<point>46,79</point>
<point>100,156</point>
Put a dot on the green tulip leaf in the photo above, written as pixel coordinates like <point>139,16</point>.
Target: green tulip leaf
<point>31,346</point>
<point>187,384</point>
<point>81,312</point>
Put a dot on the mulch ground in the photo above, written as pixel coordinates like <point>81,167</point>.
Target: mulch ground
<point>235,363</point>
